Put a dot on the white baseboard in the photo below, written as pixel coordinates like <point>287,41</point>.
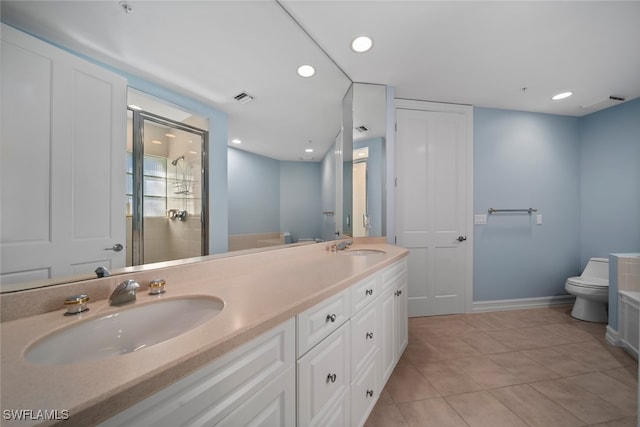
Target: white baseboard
<point>520,303</point>
<point>613,337</point>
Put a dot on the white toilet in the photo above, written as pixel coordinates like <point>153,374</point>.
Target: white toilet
<point>591,290</point>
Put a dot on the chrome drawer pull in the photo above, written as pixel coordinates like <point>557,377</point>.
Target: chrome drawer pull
<point>369,393</point>
<point>331,318</point>
<point>369,335</point>
<point>331,378</point>
<point>369,292</point>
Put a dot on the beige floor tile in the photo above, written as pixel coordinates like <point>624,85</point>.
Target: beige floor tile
<point>592,353</point>
<point>407,384</point>
<point>483,343</point>
<point>559,362</point>
<point>534,408</point>
<point>528,338</point>
<point>569,332</point>
<point>484,372</point>
<point>607,388</point>
<point>446,380</point>
<point>627,375</point>
<point>385,416</point>
<point>580,402</point>
<point>434,412</point>
<point>480,409</point>
<point>622,422</point>
<point>486,322</point>
<point>451,347</point>
<point>385,398</point>
<point>522,367</point>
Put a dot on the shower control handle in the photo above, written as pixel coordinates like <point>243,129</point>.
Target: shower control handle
<point>116,248</point>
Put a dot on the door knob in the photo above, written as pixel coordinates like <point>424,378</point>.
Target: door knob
<point>461,238</point>
<point>116,248</point>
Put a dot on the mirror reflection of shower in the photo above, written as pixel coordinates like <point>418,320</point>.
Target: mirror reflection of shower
<point>166,175</point>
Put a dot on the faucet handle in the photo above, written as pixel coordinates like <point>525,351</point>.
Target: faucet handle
<point>156,286</point>
<point>76,304</point>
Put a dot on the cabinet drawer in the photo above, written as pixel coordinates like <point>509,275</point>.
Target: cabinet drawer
<point>211,393</point>
<point>364,393</point>
<point>322,319</point>
<point>323,376</point>
<point>391,274</point>
<point>365,338</point>
<point>364,292</point>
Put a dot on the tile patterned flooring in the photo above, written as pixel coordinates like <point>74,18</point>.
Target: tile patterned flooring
<point>535,367</point>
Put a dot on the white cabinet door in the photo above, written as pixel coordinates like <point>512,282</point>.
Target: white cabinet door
<point>209,395</point>
<point>364,393</point>
<point>365,336</point>
<point>324,377</point>
<point>62,165</point>
<point>388,332</point>
<point>402,319</point>
<point>273,406</point>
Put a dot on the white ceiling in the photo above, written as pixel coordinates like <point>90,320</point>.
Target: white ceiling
<point>476,52</point>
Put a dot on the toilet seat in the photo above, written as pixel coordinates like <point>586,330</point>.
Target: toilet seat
<point>592,284</point>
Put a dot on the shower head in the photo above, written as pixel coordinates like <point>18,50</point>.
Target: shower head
<point>175,162</point>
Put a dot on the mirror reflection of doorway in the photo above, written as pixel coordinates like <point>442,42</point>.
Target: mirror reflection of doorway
<point>166,196</point>
<point>361,220</point>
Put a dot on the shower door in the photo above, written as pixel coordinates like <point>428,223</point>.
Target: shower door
<point>167,198</point>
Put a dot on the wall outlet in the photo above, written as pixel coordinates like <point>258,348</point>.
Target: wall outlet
<point>480,219</point>
<point>539,219</point>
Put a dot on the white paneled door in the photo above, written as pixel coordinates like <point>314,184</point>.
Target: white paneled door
<point>63,139</point>
<point>434,204</point>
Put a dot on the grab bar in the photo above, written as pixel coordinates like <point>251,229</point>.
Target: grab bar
<point>529,210</point>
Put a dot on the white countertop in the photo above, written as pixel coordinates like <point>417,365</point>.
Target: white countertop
<point>260,291</point>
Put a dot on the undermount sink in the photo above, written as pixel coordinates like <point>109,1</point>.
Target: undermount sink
<point>130,329</point>
<point>362,252</point>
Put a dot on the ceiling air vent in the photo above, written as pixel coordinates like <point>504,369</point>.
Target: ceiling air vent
<point>243,98</point>
<point>362,129</point>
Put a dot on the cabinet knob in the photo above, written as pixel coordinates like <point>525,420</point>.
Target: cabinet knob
<point>331,378</point>
<point>331,318</point>
<point>369,292</point>
<point>369,335</point>
<point>369,393</point>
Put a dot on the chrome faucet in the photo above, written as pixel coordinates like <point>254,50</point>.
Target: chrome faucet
<point>344,245</point>
<point>124,293</point>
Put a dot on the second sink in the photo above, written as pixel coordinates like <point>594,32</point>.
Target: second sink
<point>128,330</point>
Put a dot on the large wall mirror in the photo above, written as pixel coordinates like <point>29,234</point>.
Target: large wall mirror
<point>282,178</point>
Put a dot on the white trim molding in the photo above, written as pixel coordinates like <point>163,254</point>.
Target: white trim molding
<point>613,337</point>
<point>520,303</point>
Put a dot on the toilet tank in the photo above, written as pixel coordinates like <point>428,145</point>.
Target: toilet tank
<point>596,268</point>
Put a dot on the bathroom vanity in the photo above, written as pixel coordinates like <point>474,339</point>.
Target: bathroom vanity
<point>306,337</point>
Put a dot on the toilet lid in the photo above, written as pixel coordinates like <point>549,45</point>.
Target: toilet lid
<point>594,283</point>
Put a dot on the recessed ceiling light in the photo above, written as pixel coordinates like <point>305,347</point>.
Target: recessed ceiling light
<point>236,141</point>
<point>562,95</point>
<point>308,150</point>
<point>155,141</point>
<point>361,44</point>
<point>306,71</point>
<point>169,135</point>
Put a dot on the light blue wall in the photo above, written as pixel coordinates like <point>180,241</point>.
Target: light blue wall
<point>268,195</point>
<point>610,174</point>
<point>254,193</point>
<point>300,205</point>
<point>524,160</point>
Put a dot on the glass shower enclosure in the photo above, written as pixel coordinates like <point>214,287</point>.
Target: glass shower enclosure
<point>166,199</point>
